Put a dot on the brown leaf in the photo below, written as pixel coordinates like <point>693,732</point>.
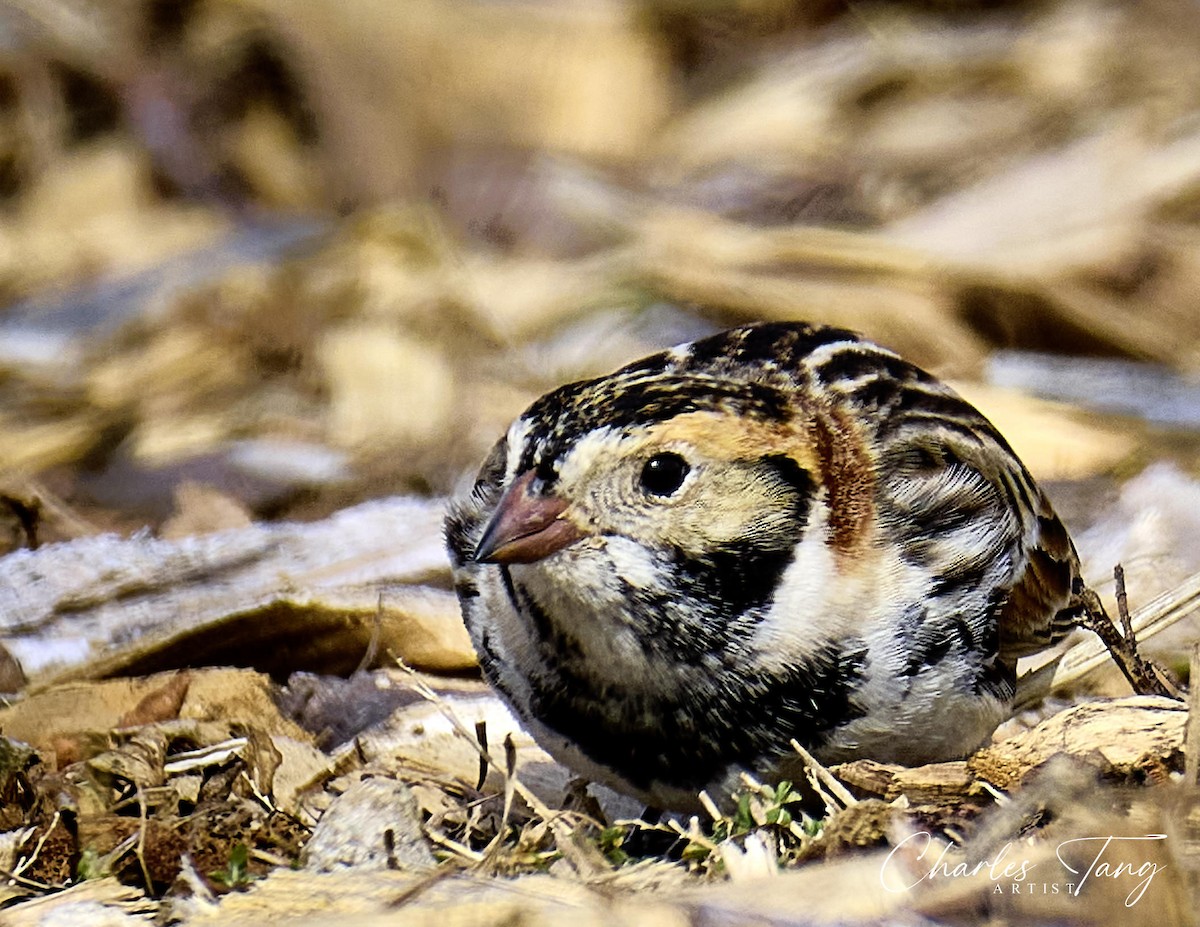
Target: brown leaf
<point>162,704</point>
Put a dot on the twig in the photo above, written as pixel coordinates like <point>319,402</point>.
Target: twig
<point>1088,655</point>
<point>24,864</point>
<point>1095,619</point>
<point>456,722</point>
<point>999,796</point>
<point>693,833</point>
<point>825,777</point>
<point>710,806</point>
<point>447,869</point>
<point>481,738</point>
<point>461,849</point>
<point>262,799</point>
<point>272,859</point>
<point>1123,602</point>
<point>1192,741</point>
<point>556,820</point>
<point>110,859</point>
<point>372,650</point>
<point>510,779</point>
<point>26,882</point>
<point>1143,677</point>
<point>143,814</point>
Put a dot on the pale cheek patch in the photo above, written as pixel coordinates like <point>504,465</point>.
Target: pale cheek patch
<point>580,580</point>
<point>820,599</point>
<point>590,602</point>
<point>632,563</point>
<point>800,619</point>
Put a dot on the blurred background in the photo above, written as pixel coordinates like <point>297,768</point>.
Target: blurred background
<point>261,259</point>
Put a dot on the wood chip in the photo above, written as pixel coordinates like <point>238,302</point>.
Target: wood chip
<point>936,783</point>
<point>1122,738</point>
<point>279,597</point>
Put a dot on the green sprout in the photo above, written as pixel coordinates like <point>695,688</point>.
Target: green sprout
<point>237,873</point>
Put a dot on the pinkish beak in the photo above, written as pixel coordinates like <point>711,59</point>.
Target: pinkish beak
<point>526,527</point>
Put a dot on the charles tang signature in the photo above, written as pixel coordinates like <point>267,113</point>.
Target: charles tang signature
<point>1102,868</point>
<point>920,858</point>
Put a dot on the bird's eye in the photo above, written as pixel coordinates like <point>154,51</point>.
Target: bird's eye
<point>663,474</point>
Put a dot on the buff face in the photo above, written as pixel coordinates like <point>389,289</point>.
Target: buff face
<point>779,532</point>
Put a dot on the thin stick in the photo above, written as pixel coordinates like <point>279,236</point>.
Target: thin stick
<point>143,818</point>
<point>828,779</point>
<point>481,738</point>
<point>1141,677</point>
<point>710,806</point>
<point>1122,601</point>
<point>24,864</point>
<point>510,779</point>
<point>423,689</point>
<point>1090,654</point>
<point>461,849</point>
<point>557,820</point>
<point>1192,748</point>
<point>25,882</point>
<point>423,884</point>
<point>368,657</point>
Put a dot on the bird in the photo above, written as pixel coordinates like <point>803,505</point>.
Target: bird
<point>779,532</point>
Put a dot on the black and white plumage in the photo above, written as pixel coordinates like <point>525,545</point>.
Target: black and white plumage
<point>778,532</point>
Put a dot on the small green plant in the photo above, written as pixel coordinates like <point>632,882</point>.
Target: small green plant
<point>773,811</point>
<point>91,866</point>
<point>611,843</point>
<point>237,873</point>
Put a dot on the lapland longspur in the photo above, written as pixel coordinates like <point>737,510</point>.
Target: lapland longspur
<point>781,531</point>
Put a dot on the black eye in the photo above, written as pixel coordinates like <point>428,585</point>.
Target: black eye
<point>663,474</point>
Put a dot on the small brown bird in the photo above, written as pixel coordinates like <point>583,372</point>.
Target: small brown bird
<point>778,532</point>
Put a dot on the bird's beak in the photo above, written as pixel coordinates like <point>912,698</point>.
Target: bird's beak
<point>526,526</point>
